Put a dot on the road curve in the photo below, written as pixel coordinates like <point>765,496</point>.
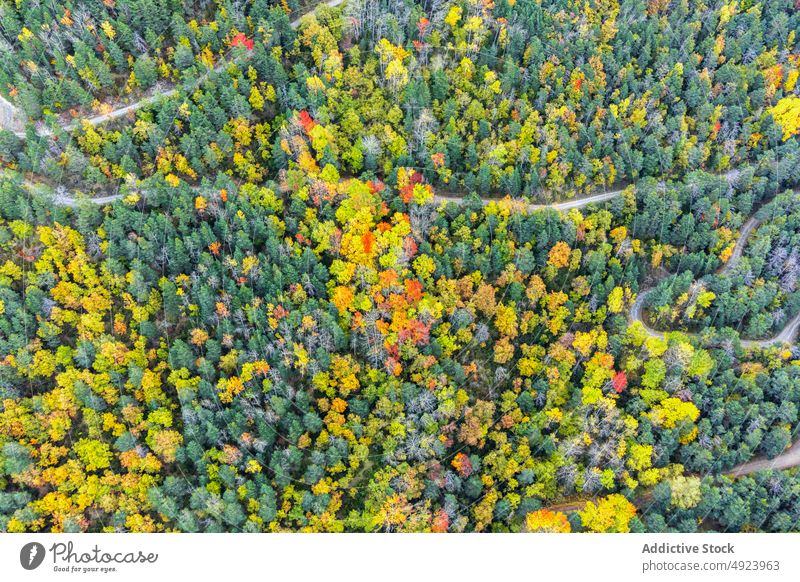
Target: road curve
<point>786,335</point>
<point>738,248</point>
<point>636,314</point>
<point>123,111</point>
<point>788,458</point>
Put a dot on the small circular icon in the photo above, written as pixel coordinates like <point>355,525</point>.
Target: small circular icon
<point>31,555</point>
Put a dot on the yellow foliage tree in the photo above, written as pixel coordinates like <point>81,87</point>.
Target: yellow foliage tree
<point>559,255</point>
<point>546,521</point>
<point>787,114</point>
<point>611,514</point>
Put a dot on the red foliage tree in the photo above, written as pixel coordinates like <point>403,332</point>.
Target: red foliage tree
<point>620,382</point>
<point>241,40</point>
<point>441,521</point>
<point>462,464</point>
<point>306,121</point>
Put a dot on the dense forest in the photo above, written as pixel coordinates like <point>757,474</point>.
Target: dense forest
<point>337,267</point>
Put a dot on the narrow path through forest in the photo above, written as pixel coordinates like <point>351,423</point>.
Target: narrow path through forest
<point>785,335</point>
<point>562,206</point>
<point>12,114</point>
<point>61,199</point>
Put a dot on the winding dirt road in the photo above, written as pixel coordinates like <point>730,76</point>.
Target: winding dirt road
<point>10,116</point>
<point>786,335</point>
<point>73,202</point>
